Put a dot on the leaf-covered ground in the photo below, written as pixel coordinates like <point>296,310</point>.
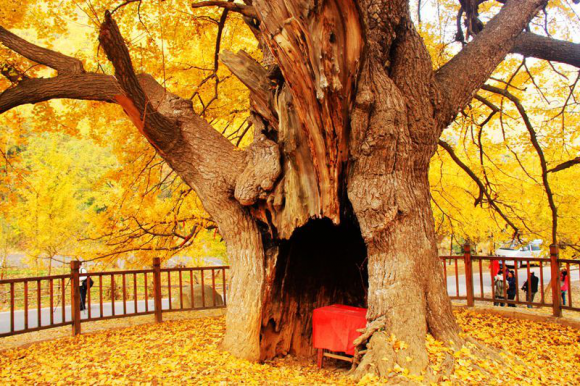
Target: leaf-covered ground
<point>186,351</point>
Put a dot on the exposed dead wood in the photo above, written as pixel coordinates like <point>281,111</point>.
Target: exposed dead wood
<point>318,266</point>
<point>255,78</point>
<point>317,47</point>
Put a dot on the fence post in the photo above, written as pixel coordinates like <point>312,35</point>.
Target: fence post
<point>468,274</point>
<point>555,273</point>
<point>76,297</point>
<point>157,289</point>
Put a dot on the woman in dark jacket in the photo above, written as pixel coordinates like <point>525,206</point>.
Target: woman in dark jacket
<point>511,291</point>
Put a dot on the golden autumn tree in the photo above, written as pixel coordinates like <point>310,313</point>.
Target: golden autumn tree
<point>504,169</point>
<point>331,201</point>
<point>139,206</point>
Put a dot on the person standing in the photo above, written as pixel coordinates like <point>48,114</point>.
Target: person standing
<point>498,289</point>
<point>86,284</point>
<point>564,280</point>
<point>511,290</point>
<point>530,287</point>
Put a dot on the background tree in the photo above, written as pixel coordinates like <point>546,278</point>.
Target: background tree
<point>331,201</point>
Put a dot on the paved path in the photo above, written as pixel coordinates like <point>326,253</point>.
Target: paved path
<point>58,314</point>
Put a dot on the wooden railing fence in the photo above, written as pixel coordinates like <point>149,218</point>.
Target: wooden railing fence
<point>37,303</point>
<point>479,286</point>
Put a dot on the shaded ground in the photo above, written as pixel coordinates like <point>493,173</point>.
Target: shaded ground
<point>59,313</point>
<point>186,351</point>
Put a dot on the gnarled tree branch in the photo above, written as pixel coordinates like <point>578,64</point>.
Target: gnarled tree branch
<point>255,78</point>
<point>245,10</point>
<point>161,131</point>
<point>482,189</point>
<point>463,75</point>
<point>61,63</point>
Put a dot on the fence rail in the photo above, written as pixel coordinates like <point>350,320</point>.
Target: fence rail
<point>37,303</point>
<point>478,283</point>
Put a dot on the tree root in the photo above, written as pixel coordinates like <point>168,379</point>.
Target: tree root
<point>380,354</point>
<point>485,350</point>
<point>361,342</point>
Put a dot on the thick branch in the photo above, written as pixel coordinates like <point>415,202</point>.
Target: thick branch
<point>245,10</point>
<point>542,47</point>
<point>463,75</point>
<point>482,189</point>
<point>61,63</point>
<point>86,86</point>
<point>565,165</point>
<point>202,157</point>
<point>158,129</point>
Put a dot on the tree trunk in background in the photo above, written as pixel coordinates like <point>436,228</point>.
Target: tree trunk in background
<point>3,265</point>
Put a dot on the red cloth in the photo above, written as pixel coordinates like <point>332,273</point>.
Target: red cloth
<point>494,267</point>
<point>565,283</point>
<point>334,327</point>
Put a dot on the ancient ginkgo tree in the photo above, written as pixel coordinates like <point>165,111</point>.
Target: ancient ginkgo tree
<point>331,201</point>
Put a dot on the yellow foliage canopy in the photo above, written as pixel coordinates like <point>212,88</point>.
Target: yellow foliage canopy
<point>121,199</point>
<point>139,208</point>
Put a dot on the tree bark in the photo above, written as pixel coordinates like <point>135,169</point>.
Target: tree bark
<point>389,190</point>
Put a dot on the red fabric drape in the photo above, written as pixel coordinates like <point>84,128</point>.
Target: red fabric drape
<point>335,327</point>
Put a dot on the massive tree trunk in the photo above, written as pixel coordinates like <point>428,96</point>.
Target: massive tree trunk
<point>357,112</point>
<point>331,202</point>
<point>349,219</point>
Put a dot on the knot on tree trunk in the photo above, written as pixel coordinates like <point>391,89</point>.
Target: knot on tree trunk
<point>261,172</point>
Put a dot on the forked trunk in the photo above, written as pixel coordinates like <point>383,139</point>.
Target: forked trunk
<point>349,219</point>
